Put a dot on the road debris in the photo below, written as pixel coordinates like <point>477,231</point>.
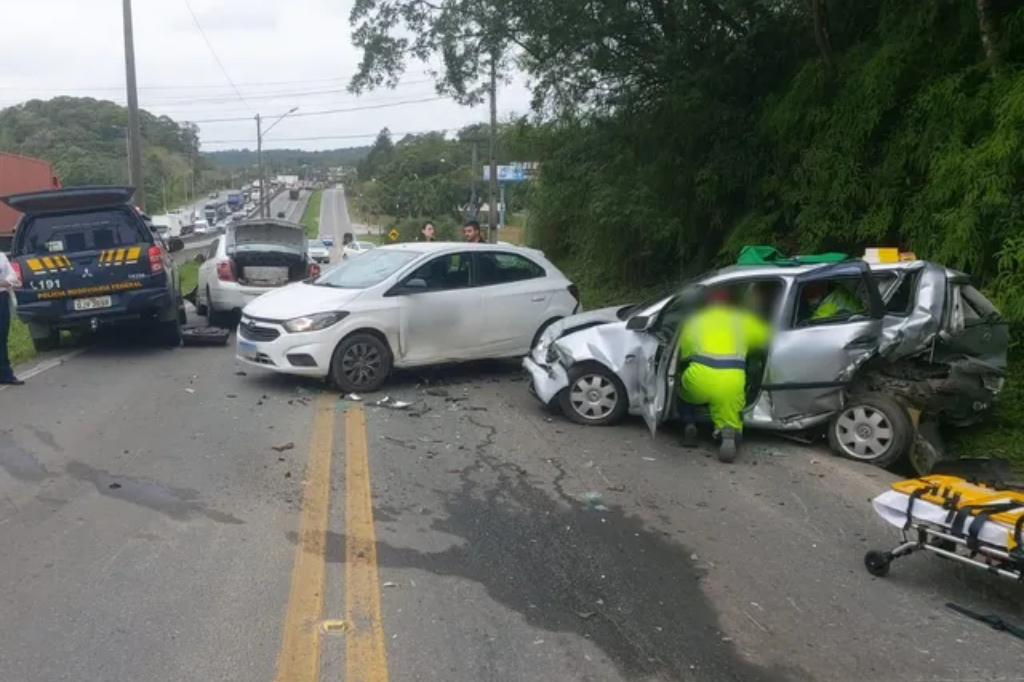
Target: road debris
<point>586,615</point>
<point>390,585</point>
<point>352,397</point>
<point>204,336</point>
<point>281,448</point>
<point>387,402</point>
<point>190,390</point>
<point>649,459</point>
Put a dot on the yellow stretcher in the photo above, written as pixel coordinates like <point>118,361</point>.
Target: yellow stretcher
<point>971,511</point>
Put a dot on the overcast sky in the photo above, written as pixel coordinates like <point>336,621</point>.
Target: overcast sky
<point>279,54</point>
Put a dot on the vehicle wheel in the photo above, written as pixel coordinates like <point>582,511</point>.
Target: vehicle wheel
<point>182,315</point>
<point>169,333</point>
<point>44,338</point>
<point>214,317</point>
<point>872,428</point>
<point>594,396</point>
<point>361,364</point>
<point>877,563</point>
<point>201,308</point>
<point>540,332</point>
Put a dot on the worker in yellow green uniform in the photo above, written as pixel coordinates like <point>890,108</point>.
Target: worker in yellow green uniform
<point>713,346</point>
<point>824,303</point>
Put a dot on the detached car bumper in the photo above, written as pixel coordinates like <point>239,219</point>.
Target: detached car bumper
<point>546,381</point>
<point>126,307</point>
<point>268,346</point>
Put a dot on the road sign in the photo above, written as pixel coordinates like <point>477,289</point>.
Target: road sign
<point>514,173</point>
<point>393,235</point>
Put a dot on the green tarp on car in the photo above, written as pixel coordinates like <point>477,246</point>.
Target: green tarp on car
<point>769,255</point>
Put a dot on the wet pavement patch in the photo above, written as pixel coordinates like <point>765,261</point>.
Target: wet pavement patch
<point>181,504</point>
<point>567,567</point>
<point>19,462</point>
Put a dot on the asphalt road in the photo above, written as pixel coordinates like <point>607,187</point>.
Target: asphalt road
<point>168,516</point>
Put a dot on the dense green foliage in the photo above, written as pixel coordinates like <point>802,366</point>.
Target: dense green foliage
<point>671,133</point>
<point>85,140</point>
<point>428,177</point>
<point>287,161</point>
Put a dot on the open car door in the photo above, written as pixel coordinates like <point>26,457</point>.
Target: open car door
<point>811,361</point>
<point>660,362</point>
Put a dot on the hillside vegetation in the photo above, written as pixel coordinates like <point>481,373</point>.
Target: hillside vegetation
<point>286,161</point>
<point>84,139</point>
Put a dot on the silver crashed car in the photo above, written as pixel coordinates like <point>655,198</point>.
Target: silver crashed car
<point>928,348</point>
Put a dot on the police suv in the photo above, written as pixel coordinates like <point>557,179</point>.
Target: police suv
<point>88,259</point>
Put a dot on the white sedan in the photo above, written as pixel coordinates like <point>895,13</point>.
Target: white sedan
<point>406,305</point>
<point>353,249</point>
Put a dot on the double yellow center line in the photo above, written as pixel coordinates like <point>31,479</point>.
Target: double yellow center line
<point>365,656</point>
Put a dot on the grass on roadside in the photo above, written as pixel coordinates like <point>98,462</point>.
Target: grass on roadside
<point>19,345</point>
<point>189,271</point>
<point>311,214</point>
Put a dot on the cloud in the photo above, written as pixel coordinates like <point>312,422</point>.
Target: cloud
<point>277,55</point>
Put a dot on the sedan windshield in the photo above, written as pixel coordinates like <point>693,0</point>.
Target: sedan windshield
<point>366,271</point>
<point>314,244</point>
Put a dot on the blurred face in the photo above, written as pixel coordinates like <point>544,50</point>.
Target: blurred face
<point>428,231</point>
<point>815,291</point>
<point>471,233</point>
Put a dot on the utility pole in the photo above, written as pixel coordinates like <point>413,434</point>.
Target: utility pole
<point>259,161</point>
<point>473,202</point>
<point>492,190</point>
<point>135,133</point>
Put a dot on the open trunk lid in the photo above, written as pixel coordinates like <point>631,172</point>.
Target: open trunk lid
<point>267,235</point>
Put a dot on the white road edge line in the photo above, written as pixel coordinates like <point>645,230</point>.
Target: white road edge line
<point>47,365</point>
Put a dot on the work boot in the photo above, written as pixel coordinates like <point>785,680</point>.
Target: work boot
<point>690,436</point>
<point>729,448</point>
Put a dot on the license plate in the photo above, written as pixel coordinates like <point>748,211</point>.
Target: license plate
<point>93,303</point>
<point>246,349</point>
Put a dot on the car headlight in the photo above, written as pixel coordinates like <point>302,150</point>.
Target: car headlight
<point>314,323</point>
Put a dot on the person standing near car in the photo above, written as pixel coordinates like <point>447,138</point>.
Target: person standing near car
<point>713,346</point>
<point>9,281</point>
<point>471,232</point>
<point>427,233</point>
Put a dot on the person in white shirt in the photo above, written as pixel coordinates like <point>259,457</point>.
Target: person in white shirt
<point>9,281</point>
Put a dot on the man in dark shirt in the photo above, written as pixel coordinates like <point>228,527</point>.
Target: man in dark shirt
<point>471,232</point>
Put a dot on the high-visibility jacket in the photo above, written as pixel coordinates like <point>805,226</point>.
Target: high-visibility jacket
<point>839,301</point>
<point>720,337</point>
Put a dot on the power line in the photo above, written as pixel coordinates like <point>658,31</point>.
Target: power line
<point>214,53</point>
<point>343,137</point>
<point>120,88</point>
<point>213,100</point>
<point>328,111</point>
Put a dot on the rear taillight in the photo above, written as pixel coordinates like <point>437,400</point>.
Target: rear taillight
<point>156,260</point>
<point>17,270</point>
<point>225,271</point>
<point>575,293</point>
<point>314,270</point>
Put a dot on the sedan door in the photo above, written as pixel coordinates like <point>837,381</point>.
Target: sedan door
<point>812,361</point>
<point>207,271</point>
<point>516,294</point>
<point>443,320</point>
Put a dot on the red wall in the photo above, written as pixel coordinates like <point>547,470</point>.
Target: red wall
<point>21,174</point>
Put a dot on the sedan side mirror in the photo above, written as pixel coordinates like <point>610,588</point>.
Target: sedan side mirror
<point>412,286</point>
<point>199,258</point>
<point>638,323</point>
<point>174,244</point>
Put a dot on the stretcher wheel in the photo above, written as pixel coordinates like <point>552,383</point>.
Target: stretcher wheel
<point>877,563</point>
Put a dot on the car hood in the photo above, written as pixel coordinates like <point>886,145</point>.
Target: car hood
<point>573,323</point>
<point>296,300</point>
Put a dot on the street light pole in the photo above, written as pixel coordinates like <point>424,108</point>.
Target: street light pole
<point>259,161</point>
<point>135,133</point>
<point>264,197</point>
